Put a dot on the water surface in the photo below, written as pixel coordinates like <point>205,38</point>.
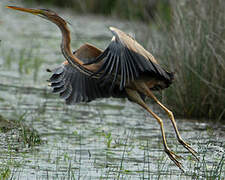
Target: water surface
<point>104,139</point>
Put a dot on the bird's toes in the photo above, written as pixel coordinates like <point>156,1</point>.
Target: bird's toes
<point>174,157</point>
<point>189,148</point>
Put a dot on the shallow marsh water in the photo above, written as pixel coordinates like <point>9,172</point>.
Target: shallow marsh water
<point>104,139</point>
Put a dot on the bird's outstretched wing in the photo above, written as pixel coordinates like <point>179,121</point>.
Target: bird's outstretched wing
<point>125,60</point>
<point>74,86</point>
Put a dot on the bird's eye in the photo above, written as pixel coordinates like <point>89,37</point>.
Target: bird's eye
<point>49,11</point>
<point>45,10</point>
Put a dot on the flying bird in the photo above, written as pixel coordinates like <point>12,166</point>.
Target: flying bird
<point>123,70</point>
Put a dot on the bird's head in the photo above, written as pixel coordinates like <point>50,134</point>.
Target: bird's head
<point>43,13</point>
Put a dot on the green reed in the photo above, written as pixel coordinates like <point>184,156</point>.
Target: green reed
<point>193,47</point>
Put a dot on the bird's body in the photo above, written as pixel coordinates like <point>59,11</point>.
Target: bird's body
<point>123,70</point>
<point>87,53</point>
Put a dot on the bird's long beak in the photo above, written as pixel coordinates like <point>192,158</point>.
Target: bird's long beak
<point>28,10</point>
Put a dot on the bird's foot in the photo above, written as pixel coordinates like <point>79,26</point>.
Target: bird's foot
<point>174,157</point>
<point>189,148</point>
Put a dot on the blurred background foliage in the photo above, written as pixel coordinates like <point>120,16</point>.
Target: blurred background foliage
<point>193,46</point>
<point>190,40</point>
<point>142,10</point>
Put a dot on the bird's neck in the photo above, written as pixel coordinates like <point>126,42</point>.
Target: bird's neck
<point>65,46</point>
<point>66,50</point>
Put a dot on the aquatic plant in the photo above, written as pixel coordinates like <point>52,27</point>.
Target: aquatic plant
<point>26,66</point>
<point>193,47</point>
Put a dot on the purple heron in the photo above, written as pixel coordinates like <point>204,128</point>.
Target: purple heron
<point>123,70</point>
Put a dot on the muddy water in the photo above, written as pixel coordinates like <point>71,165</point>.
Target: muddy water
<point>105,139</point>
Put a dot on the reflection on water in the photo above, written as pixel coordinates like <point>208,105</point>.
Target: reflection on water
<point>105,139</point>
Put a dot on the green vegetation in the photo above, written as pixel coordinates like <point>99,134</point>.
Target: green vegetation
<point>18,136</point>
<point>205,170</point>
<point>193,47</point>
<point>26,135</point>
<point>140,10</point>
<point>5,173</point>
<point>27,63</point>
<point>108,137</point>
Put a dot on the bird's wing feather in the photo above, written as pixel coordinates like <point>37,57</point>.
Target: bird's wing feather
<point>124,60</point>
<point>74,86</point>
<point>87,52</point>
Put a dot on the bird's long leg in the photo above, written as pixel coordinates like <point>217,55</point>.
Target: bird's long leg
<point>134,96</point>
<point>171,116</point>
